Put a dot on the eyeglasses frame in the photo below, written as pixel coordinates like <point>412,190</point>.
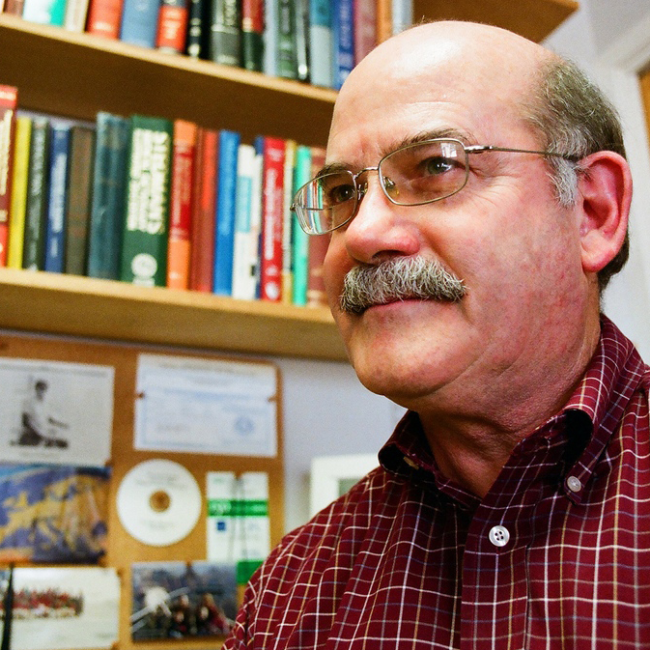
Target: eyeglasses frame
<point>361,190</point>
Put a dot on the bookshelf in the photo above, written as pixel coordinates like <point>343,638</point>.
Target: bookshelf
<point>77,75</point>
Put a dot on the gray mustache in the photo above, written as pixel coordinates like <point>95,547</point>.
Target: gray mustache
<point>402,278</point>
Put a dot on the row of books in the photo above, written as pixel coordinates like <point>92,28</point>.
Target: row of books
<point>157,202</point>
<point>315,41</point>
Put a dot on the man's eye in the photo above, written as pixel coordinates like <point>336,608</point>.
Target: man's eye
<point>438,165</point>
<point>341,193</point>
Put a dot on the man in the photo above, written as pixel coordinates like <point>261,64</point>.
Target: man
<point>39,426</point>
<point>477,198</point>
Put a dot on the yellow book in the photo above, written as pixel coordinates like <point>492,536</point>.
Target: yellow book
<point>19,193</point>
<point>287,253</point>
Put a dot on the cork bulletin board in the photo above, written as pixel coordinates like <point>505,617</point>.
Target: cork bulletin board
<point>127,456</point>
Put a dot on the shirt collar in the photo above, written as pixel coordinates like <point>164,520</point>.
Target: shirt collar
<point>589,418</point>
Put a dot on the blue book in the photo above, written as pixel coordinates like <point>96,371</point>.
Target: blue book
<point>57,197</point>
<point>225,212</point>
<point>108,192</point>
<point>320,43</point>
<point>140,22</point>
<point>342,41</point>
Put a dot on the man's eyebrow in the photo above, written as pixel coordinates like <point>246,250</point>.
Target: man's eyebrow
<point>455,133</point>
<point>450,132</point>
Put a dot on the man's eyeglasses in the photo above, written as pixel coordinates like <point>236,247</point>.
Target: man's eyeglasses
<point>415,174</point>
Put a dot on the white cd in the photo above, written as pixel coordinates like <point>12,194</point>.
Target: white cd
<point>158,502</point>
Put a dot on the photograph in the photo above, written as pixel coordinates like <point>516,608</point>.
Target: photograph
<point>174,600</point>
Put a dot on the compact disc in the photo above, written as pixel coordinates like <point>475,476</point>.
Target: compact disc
<point>158,502</point>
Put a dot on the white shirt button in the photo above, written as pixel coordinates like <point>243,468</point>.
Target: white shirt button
<point>574,484</point>
<point>499,535</point>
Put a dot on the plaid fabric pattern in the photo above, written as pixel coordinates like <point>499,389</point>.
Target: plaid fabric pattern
<point>556,556</point>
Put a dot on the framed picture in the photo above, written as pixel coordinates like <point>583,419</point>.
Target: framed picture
<point>333,476</point>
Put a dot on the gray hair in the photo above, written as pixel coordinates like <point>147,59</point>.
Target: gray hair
<point>574,117</point>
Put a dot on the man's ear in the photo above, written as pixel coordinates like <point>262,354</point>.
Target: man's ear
<point>604,196</point>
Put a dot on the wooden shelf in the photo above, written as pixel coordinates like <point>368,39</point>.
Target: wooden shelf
<point>103,309</point>
<point>534,19</point>
<point>77,75</point>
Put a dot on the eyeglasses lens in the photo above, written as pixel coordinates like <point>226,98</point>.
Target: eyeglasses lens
<point>424,172</point>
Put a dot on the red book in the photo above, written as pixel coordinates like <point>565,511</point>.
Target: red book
<point>316,296</point>
<point>8,103</point>
<point>14,7</point>
<point>180,215</point>
<point>172,26</point>
<point>273,152</point>
<point>365,28</point>
<point>104,18</point>
<point>203,211</point>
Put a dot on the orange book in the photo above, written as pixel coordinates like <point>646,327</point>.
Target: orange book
<point>180,218</point>
<point>104,18</point>
<point>384,20</point>
<point>203,211</point>
<point>172,26</point>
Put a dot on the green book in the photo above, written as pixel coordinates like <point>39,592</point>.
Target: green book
<point>300,243</point>
<point>37,196</point>
<point>146,210</point>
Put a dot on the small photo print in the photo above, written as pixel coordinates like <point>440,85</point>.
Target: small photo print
<point>176,600</point>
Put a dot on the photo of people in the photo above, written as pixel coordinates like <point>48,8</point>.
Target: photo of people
<point>174,600</point>
<point>40,418</point>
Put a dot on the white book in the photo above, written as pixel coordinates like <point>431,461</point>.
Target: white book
<point>243,277</point>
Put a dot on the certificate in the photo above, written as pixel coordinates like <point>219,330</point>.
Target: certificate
<point>206,406</point>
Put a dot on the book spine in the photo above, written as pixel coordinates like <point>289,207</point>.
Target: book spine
<point>54,238</point>
<point>172,26</point>
<point>365,28</point>
<point>320,43</point>
<point>225,32</point>
<point>109,182</point>
<point>104,18</point>
<point>255,253</point>
<point>140,22</point>
<point>287,63</point>
<point>44,12</point>
<point>301,29</point>
<point>226,206</point>
<point>76,12</point>
<point>287,221</point>
<point>270,61</point>
<point>272,206</point>
<point>180,216</point>
<point>8,104</point>
<point>342,41</point>
<point>78,207</point>
<point>242,287</point>
<point>253,35</point>
<point>14,7</point>
<point>144,245</point>
<point>203,218</point>
<point>402,15</point>
<point>384,19</point>
<point>316,296</point>
<point>34,246</point>
<point>19,192</point>
<point>300,244</point>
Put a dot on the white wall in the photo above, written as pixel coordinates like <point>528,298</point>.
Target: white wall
<point>327,411</point>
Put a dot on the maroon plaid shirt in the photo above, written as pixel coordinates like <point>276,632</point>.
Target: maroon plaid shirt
<point>557,555</point>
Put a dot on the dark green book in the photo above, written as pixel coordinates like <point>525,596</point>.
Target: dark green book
<point>146,218</point>
<point>225,32</point>
<point>37,196</point>
<point>287,46</point>
<point>78,207</point>
<point>253,35</point>
<point>107,208</point>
